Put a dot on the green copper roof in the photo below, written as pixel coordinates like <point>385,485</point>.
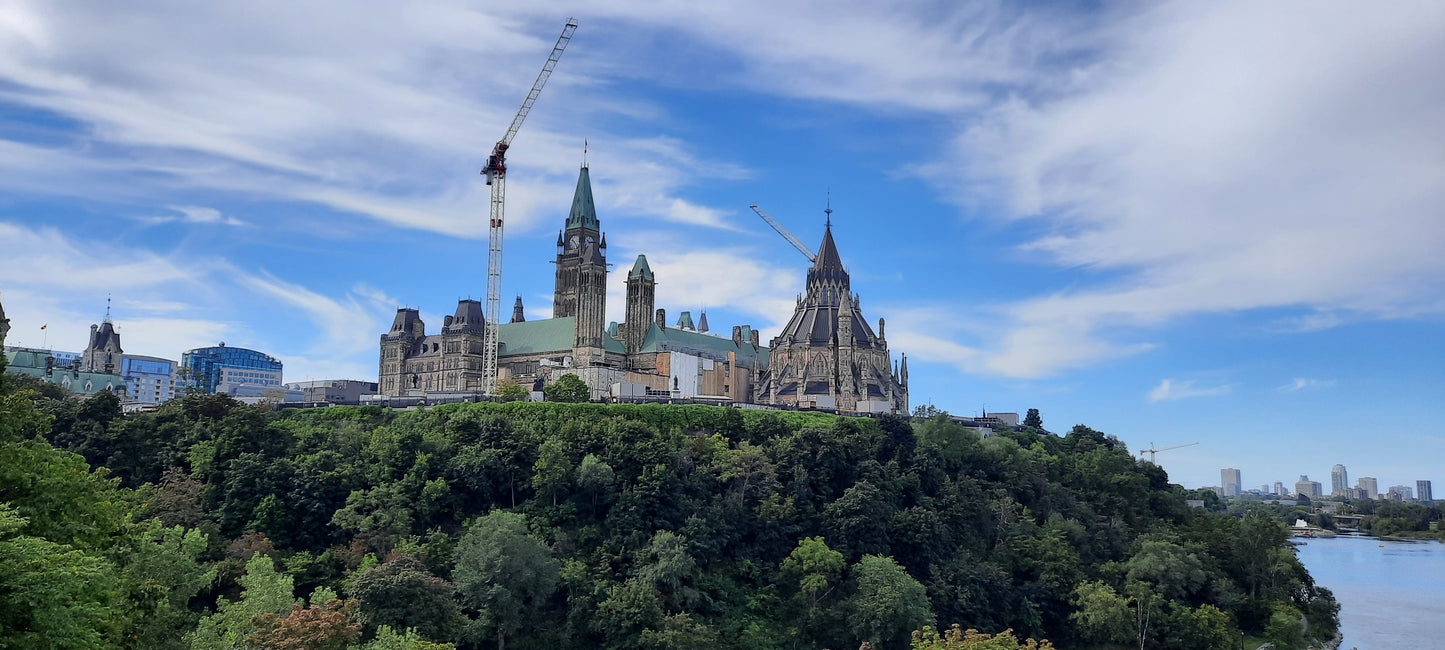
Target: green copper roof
<point>537,336</point>
<point>540,336</point>
<point>640,269</point>
<point>659,339</point>
<point>584,212</point>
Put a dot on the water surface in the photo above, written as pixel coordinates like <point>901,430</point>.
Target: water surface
<point>1390,597</point>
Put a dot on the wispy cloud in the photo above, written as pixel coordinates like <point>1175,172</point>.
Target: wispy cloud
<point>192,214</point>
<point>1302,383</point>
<point>1169,390</point>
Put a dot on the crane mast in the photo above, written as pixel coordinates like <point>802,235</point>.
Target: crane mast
<point>496,173</point>
<point>798,244</point>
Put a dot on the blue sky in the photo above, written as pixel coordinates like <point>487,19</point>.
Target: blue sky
<point>1174,222</point>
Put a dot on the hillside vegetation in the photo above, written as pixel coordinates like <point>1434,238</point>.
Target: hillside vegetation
<point>209,524</point>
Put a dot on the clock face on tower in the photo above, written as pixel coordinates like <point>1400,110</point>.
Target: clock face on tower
<point>572,243</point>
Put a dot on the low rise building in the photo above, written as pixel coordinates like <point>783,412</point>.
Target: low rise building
<point>334,391</point>
<point>41,363</point>
<point>1400,493</point>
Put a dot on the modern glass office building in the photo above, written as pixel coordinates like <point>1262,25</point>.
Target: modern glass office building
<point>209,368</point>
<point>149,380</point>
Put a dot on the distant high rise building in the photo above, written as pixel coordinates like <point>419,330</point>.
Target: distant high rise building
<point>1279,488</point>
<point>1305,487</point>
<point>1370,486</point>
<point>1401,493</point>
<point>1423,491</point>
<point>1229,479</point>
<point>1339,479</point>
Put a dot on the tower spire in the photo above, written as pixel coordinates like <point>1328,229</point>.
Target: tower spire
<point>828,222</point>
<point>107,308</point>
<point>584,152</point>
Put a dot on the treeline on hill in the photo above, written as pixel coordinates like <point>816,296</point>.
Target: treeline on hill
<point>581,525</point>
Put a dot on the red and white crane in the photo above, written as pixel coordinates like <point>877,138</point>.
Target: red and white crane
<point>496,173</point>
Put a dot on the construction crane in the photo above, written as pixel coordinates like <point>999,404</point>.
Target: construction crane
<point>1152,451</point>
<point>798,244</point>
<point>496,173</point>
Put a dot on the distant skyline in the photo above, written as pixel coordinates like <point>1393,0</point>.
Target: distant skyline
<point>1283,479</point>
<point>1171,221</point>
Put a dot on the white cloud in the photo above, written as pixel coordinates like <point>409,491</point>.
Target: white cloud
<point>192,214</point>
<point>1169,390</point>
<point>1222,157</point>
<point>346,326</point>
<point>1302,383</point>
<point>387,113</point>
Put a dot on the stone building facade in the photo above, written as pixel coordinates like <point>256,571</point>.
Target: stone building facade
<point>681,360</point>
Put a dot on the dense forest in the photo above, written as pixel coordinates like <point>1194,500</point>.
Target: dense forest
<point>211,524</point>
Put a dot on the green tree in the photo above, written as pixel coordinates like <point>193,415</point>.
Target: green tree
<point>552,473</point>
<point>511,391</point>
<point>504,573</point>
<point>1104,616</point>
<point>403,595</point>
<point>567,388</point>
<point>380,516</point>
<point>162,571</point>
<point>389,639</point>
<point>887,604</point>
<point>1033,420</point>
<point>628,612</point>
<point>595,478</point>
<point>51,595</point>
<point>814,570</point>
<point>263,591</point>
<point>1285,627</point>
<point>668,567</point>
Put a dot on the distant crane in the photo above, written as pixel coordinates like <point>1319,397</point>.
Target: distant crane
<point>797,243</point>
<point>1152,451</point>
<point>496,173</point>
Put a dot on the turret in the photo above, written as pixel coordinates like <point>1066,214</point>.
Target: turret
<point>641,290</point>
<point>517,315</point>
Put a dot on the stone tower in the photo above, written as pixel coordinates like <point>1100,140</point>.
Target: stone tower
<point>581,287</point>
<point>641,292</point>
<point>407,330</point>
<point>103,353</point>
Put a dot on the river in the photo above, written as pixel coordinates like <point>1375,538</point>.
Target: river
<point>1390,597</point>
